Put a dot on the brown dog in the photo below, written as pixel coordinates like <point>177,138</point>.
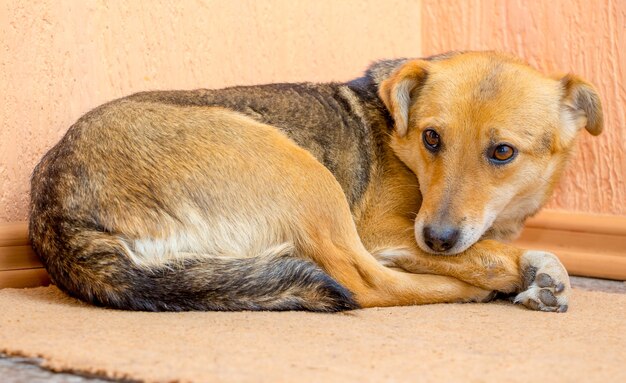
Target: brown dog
<point>283,196</point>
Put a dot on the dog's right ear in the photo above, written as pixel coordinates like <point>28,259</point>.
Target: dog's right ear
<point>398,90</point>
<point>582,101</point>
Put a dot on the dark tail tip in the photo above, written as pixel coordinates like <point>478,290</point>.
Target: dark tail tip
<point>330,296</point>
<point>340,298</point>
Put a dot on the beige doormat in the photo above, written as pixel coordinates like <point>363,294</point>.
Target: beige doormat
<point>494,342</point>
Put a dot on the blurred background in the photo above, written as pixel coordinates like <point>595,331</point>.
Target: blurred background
<point>61,58</point>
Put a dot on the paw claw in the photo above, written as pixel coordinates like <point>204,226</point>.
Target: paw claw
<point>562,309</point>
<point>559,287</point>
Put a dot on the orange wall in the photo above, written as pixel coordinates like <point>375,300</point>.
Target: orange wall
<point>61,58</point>
<point>586,37</point>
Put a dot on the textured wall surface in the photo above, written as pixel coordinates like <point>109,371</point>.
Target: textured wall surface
<point>582,36</point>
<point>58,59</point>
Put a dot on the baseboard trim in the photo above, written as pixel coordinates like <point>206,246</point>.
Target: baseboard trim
<point>22,278</point>
<point>19,266</point>
<point>588,245</point>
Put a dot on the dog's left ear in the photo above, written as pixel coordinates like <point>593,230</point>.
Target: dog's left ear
<point>582,102</point>
<point>398,90</point>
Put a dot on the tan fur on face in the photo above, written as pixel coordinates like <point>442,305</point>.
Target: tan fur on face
<point>475,101</point>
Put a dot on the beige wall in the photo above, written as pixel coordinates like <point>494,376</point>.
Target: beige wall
<point>61,58</point>
<point>586,37</point>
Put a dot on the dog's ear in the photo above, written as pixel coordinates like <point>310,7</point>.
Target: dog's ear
<point>398,90</point>
<point>583,104</point>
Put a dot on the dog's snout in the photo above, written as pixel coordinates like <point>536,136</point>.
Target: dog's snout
<point>440,239</point>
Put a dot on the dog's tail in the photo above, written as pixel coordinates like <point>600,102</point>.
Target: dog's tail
<point>98,267</point>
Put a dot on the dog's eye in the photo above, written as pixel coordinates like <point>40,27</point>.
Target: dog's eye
<point>431,139</point>
<point>502,154</point>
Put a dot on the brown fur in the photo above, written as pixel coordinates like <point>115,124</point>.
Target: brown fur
<point>222,199</point>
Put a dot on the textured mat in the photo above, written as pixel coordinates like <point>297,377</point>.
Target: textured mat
<point>455,342</point>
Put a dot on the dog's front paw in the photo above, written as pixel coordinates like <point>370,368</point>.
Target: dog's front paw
<point>546,284</point>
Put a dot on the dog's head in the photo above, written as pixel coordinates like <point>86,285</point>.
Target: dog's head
<point>487,137</point>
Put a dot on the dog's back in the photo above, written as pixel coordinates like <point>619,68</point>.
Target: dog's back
<point>320,118</point>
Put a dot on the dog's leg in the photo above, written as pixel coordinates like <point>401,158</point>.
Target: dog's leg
<point>331,240</point>
<point>375,285</point>
<point>539,277</point>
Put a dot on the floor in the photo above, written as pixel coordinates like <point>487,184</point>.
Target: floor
<point>21,370</point>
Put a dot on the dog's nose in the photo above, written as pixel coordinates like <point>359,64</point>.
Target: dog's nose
<point>440,239</point>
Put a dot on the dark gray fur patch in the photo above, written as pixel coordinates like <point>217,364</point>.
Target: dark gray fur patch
<point>489,86</point>
<point>380,70</point>
<point>545,143</point>
<point>529,276</point>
